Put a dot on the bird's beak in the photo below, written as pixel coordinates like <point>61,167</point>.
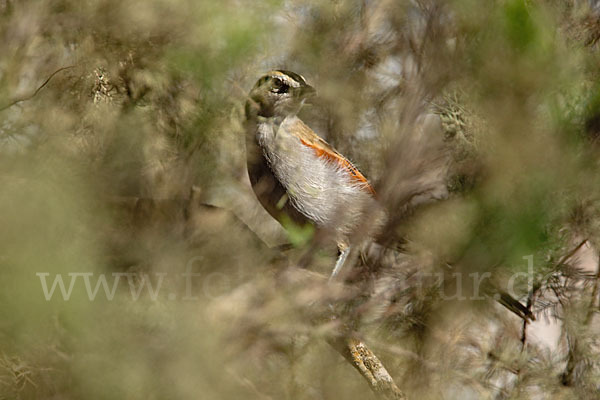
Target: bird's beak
<point>307,91</point>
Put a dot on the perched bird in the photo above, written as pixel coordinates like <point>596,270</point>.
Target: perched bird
<point>296,174</point>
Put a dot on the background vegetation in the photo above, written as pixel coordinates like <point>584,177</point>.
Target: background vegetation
<point>477,122</point>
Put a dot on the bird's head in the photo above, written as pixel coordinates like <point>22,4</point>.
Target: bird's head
<point>278,93</point>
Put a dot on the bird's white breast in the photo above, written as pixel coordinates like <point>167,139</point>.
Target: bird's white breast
<point>319,188</point>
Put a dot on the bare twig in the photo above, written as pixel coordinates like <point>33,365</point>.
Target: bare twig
<point>534,290</point>
<point>369,366</point>
<point>29,97</point>
<point>571,253</point>
<point>593,307</point>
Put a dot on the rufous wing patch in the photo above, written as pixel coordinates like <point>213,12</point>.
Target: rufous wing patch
<point>323,150</point>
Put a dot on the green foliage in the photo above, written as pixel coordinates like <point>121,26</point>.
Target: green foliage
<point>520,29</point>
<point>298,235</point>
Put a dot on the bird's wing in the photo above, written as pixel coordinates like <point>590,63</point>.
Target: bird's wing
<point>323,150</point>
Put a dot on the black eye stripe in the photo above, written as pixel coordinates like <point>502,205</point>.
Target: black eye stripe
<point>279,86</point>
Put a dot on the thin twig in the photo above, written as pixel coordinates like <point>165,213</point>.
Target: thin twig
<point>571,253</point>
<point>29,97</point>
<point>534,290</point>
<point>593,306</point>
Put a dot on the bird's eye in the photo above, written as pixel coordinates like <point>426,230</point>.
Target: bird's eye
<point>279,86</point>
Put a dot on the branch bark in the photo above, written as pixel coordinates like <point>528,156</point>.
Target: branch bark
<point>358,354</point>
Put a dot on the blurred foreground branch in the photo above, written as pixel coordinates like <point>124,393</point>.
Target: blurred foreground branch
<point>355,351</point>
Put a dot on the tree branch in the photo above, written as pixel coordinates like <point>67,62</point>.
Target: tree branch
<point>369,366</point>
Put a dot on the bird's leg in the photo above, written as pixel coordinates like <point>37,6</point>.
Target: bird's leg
<point>344,251</point>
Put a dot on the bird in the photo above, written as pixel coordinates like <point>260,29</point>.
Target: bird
<point>298,176</point>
